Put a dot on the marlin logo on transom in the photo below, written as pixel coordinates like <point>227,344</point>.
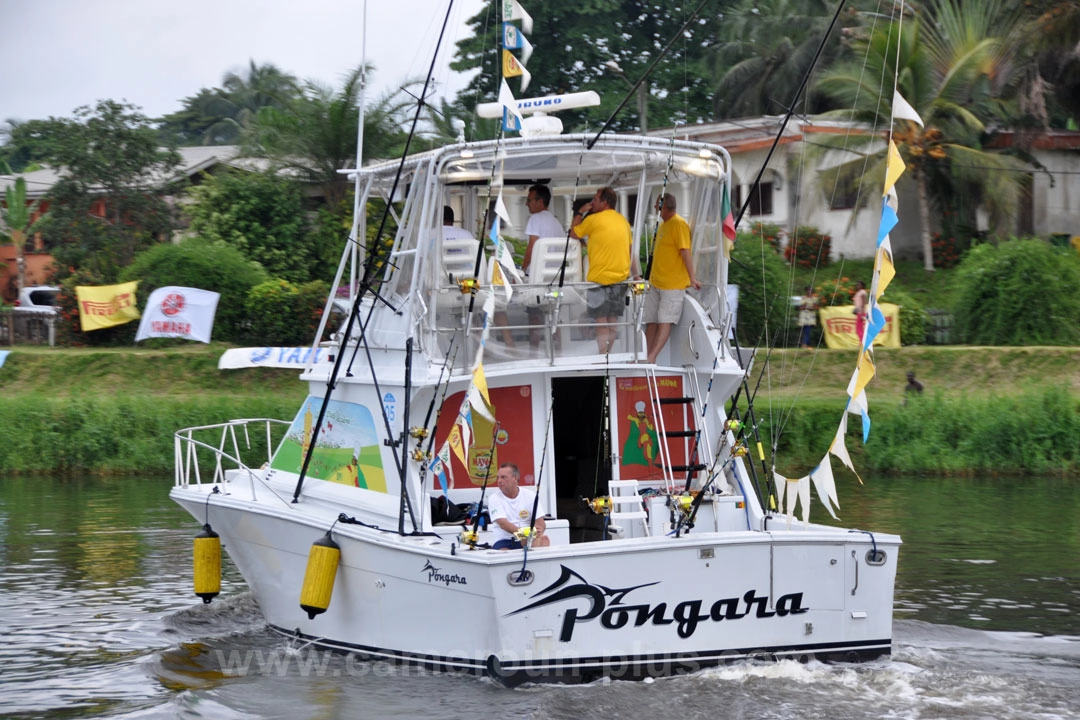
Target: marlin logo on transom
<point>607,605</point>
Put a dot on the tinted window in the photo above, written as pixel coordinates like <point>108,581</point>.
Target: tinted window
<point>43,297</point>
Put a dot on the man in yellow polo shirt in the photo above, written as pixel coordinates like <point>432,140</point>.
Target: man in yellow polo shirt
<point>607,237</point>
<point>672,272</point>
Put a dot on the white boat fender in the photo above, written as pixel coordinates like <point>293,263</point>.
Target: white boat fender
<point>207,562</point>
<point>319,577</point>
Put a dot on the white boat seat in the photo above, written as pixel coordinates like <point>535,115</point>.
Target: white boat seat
<point>547,260</point>
<point>458,263</point>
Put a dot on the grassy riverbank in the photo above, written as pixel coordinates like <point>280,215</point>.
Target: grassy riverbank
<point>984,410</point>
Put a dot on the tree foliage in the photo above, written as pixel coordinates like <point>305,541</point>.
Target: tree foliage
<point>261,215</point>
<point>108,203</point>
<point>764,293</point>
<point>573,43</point>
<point>219,116</point>
<point>1021,292</point>
<point>314,135</point>
<point>957,71</point>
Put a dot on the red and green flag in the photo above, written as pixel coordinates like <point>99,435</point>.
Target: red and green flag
<point>729,219</point>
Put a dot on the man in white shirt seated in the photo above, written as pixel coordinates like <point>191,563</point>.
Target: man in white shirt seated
<point>451,231</point>
<point>511,509</point>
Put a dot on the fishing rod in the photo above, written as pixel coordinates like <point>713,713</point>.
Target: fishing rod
<point>422,456</point>
<point>405,503</point>
<point>660,200</point>
<point>648,71</point>
<point>365,286</point>
<point>536,493</point>
<point>770,488</point>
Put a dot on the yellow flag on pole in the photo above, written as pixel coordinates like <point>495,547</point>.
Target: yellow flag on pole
<point>106,306</point>
<point>894,169</point>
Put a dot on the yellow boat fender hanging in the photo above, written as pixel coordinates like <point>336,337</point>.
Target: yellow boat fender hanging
<point>207,563</point>
<point>319,577</point>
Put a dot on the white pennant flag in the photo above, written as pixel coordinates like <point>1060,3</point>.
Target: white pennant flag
<point>825,485</point>
<point>508,102</point>
<point>179,312</point>
<point>526,50</point>
<point>902,109</point>
<point>513,11</point>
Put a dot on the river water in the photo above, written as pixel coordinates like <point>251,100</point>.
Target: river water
<point>98,621</point>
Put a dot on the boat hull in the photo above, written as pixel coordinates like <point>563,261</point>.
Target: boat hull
<point>624,609</point>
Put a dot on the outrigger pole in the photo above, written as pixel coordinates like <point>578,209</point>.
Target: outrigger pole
<point>365,285</point>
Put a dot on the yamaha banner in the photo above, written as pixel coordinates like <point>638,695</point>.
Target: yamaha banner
<point>179,312</point>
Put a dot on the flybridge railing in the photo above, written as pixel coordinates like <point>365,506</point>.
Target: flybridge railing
<point>220,445</point>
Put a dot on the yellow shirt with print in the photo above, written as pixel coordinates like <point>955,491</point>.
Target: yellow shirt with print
<point>668,269</point>
<point>608,246</point>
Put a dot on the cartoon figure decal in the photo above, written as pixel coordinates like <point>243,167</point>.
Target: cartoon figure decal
<point>346,451</point>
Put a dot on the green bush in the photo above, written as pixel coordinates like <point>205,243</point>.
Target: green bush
<point>282,314</point>
<point>914,320</point>
<point>1021,292</point>
<point>262,216</point>
<point>764,298</point>
<point>200,264</point>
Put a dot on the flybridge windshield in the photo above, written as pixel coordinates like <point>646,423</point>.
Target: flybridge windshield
<point>446,270</point>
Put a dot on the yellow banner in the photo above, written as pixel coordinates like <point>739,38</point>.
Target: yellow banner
<point>106,305</point>
<point>838,324</point>
<point>511,66</point>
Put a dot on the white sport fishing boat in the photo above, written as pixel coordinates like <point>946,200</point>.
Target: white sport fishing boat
<point>664,554</point>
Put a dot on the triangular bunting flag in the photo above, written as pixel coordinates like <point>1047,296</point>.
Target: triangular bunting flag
<point>902,110</point>
<point>895,167</point>
<point>511,10</point>
<point>839,447</point>
<point>825,485</point>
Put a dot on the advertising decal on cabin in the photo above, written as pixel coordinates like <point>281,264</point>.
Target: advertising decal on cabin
<point>638,429</point>
<point>513,443</point>
<point>346,451</point>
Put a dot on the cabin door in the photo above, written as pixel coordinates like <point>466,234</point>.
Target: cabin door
<point>582,452</point>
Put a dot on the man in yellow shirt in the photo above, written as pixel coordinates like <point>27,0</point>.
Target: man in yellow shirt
<point>607,238</point>
<point>672,272</point>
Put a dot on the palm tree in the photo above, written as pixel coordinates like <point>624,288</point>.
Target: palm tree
<point>314,135</point>
<point>768,48</point>
<point>957,70</point>
<point>19,218</point>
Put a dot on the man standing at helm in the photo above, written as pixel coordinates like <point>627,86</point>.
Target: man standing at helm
<point>672,272</point>
<point>608,239</point>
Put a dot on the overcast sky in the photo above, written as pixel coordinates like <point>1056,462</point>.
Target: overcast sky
<point>56,55</point>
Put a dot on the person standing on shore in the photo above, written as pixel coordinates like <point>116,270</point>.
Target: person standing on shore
<point>860,300</point>
<point>807,317</point>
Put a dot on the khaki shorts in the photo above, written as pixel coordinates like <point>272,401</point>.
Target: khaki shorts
<point>663,306</point>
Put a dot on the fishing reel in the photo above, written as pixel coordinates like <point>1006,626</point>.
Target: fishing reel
<point>639,287</point>
<point>419,432</point>
<point>525,536</point>
<point>419,455</point>
<point>739,450</point>
<point>468,286</point>
<point>681,506</point>
<point>733,425</point>
<point>469,538</point>
<point>600,505</point>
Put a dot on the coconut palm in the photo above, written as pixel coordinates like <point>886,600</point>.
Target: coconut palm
<point>314,135</point>
<point>956,67</point>
<point>768,49</point>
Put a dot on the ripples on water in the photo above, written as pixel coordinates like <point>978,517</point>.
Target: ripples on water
<point>100,621</point>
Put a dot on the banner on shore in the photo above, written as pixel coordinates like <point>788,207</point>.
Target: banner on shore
<point>838,324</point>
<point>106,306</point>
<point>274,357</point>
<point>179,312</point>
